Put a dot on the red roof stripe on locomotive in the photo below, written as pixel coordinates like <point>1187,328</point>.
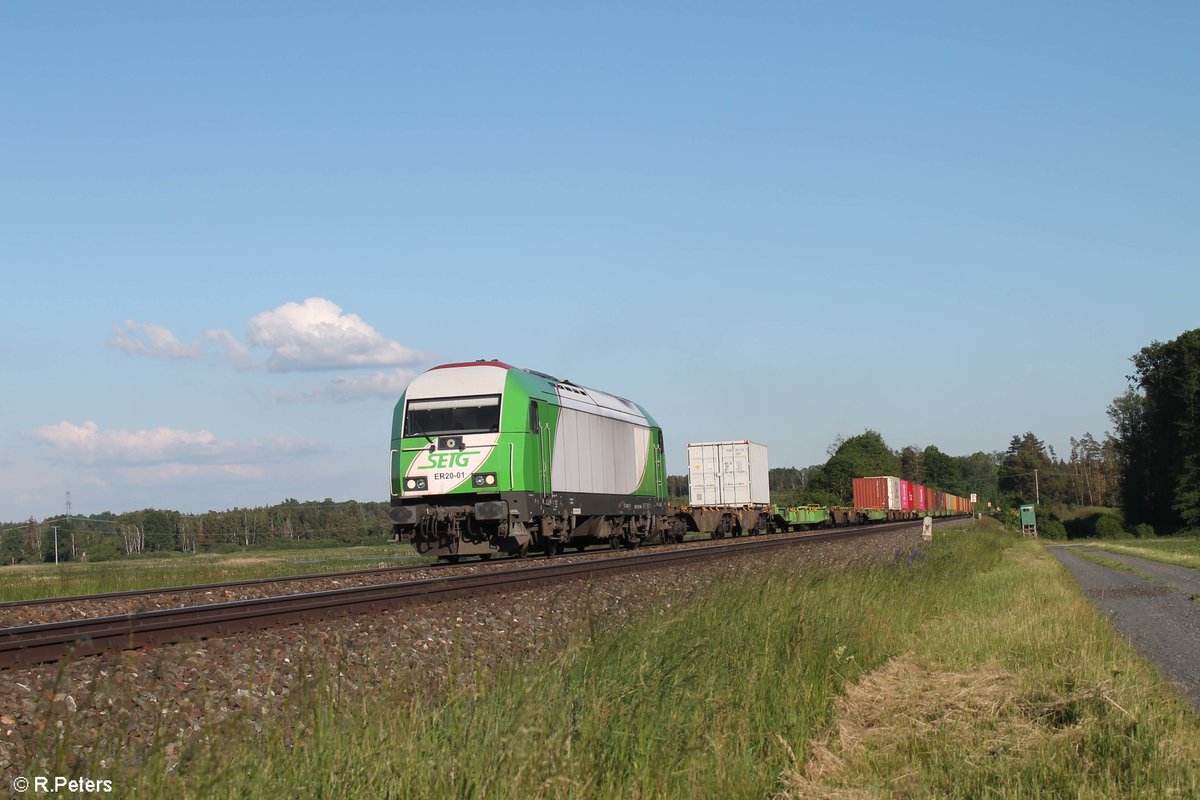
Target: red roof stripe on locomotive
<point>499,364</point>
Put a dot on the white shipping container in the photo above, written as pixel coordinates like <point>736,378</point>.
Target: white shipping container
<point>728,474</point>
<point>894,501</point>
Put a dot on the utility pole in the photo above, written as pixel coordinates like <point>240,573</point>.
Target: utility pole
<point>68,516</point>
<point>55,527</point>
<point>1037,494</point>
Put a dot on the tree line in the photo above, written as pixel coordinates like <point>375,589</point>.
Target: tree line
<point>1157,435</point>
<point>105,536</point>
<point>1141,478</point>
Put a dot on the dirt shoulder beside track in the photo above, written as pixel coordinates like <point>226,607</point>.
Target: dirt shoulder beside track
<point>1157,616</point>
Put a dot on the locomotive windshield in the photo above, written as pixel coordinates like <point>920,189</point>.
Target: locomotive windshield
<point>442,415</point>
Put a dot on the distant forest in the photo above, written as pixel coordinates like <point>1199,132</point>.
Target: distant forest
<point>1141,479</point>
<point>101,537</point>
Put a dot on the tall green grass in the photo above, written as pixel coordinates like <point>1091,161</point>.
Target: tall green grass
<point>711,697</point>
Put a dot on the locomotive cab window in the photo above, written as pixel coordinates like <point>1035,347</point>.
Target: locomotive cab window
<point>442,415</point>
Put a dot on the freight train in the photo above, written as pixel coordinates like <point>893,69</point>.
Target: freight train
<point>488,458</point>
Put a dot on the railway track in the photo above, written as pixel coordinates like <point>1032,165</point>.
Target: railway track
<point>33,644</point>
<point>316,576</point>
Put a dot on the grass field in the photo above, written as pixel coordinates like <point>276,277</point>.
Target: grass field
<point>25,582</point>
<point>1182,550</point>
<point>976,669</point>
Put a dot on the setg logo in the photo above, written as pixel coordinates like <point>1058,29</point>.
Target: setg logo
<point>449,460</point>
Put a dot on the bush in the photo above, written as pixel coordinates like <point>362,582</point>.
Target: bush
<point>1144,531</point>
<point>104,551</point>
<point>1109,528</point>
<point>1052,529</point>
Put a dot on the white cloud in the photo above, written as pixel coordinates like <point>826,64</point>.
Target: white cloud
<point>387,385</point>
<point>234,351</point>
<point>317,334</point>
<point>89,444</point>
<point>150,339</point>
<point>314,335</point>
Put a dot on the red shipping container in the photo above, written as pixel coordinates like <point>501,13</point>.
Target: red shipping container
<point>906,494</point>
<point>870,492</point>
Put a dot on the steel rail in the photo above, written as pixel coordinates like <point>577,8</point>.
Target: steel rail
<point>46,642</point>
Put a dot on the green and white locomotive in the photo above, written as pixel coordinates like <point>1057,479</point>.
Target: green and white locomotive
<point>489,458</point>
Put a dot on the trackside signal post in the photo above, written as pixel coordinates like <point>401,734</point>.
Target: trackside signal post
<point>1028,521</point>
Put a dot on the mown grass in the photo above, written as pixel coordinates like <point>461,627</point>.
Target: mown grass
<point>1181,550</point>
<point>1024,691</point>
<point>26,582</point>
<point>973,668</point>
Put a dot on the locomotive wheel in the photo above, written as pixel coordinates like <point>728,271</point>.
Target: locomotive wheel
<point>452,559</point>
<point>485,557</point>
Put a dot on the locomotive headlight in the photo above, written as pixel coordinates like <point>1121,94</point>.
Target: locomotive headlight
<point>483,480</point>
<point>416,484</point>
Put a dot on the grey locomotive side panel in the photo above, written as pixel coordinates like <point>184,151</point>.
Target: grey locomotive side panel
<point>596,454</point>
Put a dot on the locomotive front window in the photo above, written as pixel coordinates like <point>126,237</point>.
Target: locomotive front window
<point>442,415</point>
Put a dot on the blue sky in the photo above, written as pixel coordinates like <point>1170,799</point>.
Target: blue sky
<point>229,233</point>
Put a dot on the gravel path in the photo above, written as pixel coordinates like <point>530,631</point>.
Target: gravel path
<point>1158,616</point>
<point>116,705</point>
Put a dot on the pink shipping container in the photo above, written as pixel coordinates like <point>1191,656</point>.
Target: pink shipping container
<point>906,494</point>
<point>877,493</point>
